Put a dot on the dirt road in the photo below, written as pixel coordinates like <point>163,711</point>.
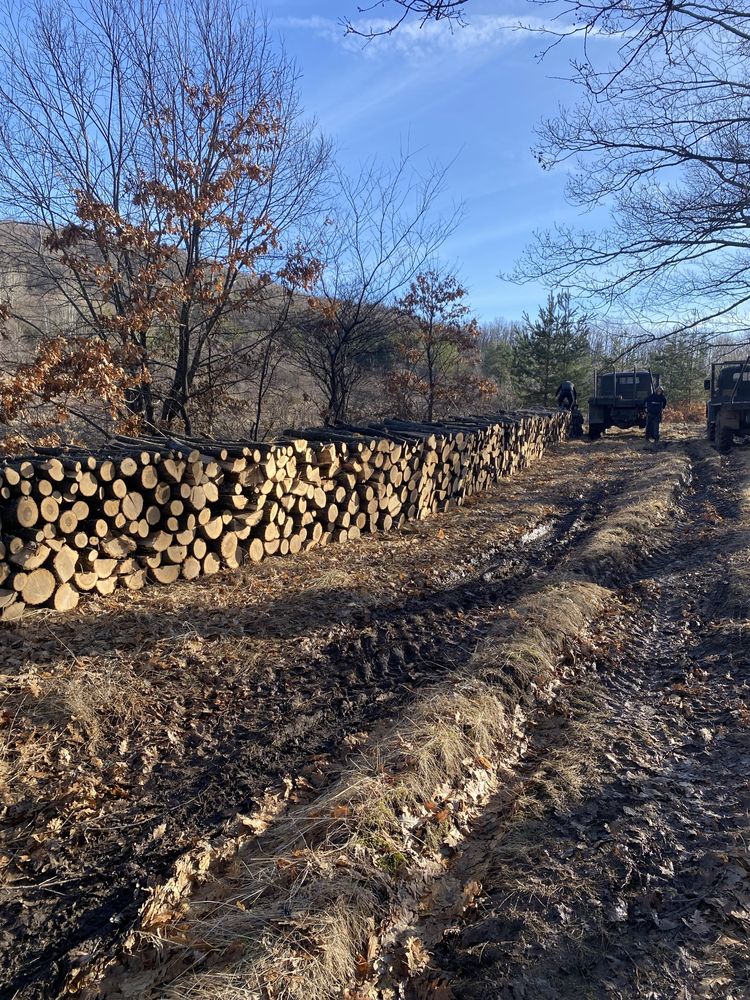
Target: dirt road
<point>612,860</point>
<point>616,863</point>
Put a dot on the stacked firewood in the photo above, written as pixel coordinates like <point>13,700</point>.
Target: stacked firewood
<point>163,508</point>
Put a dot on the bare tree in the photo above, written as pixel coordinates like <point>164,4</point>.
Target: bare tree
<point>423,10</point>
<point>660,137</point>
<point>379,233</point>
<point>156,154</point>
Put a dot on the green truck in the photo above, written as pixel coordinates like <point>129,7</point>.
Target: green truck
<point>728,404</point>
<point>619,400</point>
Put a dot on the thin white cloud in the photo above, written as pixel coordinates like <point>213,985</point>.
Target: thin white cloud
<point>323,26</point>
<point>484,33</point>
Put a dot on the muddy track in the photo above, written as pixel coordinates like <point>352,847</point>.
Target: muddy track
<point>352,684</point>
<point>303,707</point>
<point>630,879</point>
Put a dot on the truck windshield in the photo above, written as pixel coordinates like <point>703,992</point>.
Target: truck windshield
<point>731,379</point>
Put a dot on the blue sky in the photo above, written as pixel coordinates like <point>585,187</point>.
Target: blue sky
<point>471,97</point>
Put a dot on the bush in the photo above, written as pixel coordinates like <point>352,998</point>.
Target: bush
<point>685,413</point>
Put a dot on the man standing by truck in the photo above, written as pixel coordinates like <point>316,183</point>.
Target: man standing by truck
<point>655,404</point>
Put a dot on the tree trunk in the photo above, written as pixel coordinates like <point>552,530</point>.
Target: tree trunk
<point>175,402</point>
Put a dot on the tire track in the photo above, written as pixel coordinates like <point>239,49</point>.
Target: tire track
<point>626,880</point>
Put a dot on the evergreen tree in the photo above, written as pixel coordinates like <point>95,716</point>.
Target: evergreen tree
<point>553,347</point>
<point>683,360</point>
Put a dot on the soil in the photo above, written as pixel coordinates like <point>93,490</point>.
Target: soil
<point>613,865</point>
<point>616,863</point>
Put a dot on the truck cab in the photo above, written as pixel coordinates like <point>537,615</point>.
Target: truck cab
<point>728,404</point>
<point>619,400</point>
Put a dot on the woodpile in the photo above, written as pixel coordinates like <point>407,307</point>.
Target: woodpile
<point>157,509</point>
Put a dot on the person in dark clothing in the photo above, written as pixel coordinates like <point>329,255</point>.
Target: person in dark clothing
<point>566,395</point>
<point>576,423</point>
<point>655,403</point>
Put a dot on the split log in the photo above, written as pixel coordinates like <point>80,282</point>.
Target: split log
<point>64,564</point>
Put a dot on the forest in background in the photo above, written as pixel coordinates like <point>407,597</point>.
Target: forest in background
<point>426,358</point>
<point>182,253</point>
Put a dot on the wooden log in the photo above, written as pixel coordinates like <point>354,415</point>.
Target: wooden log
<point>12,612</point>
<point>152,515</point>
<point>162,493</point>
<point>118,546</point>
<point>28,556</point>
<point>136,580</point>
<point>190,568</point>
<point>173,469</point>
<point>228,546</point>
<point>212,529</point>
<point>176,554</point>
<point>211,564</point>
<point>53,468</point>
<point>88,484</point>
<point>106,585</point>
<point>255,550</point>
<point>110,508</point>
<point>139,529</point>
<point>166,573</point>
<point>106,471</point>
<point>25,512</point>
<point>64,563</point>
<point>81,509</point>
<point>132,505</point>
<point>67,523</point>
<point>49,509</point>
<point>8,597</point>
<point>38,587</point>
<point>149,477</point>
<point>159,541</point>
<point>118,488</point>
<point>66,597</point>
<point>104,568</point>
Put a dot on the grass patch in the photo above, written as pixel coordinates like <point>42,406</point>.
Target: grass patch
<point>296,918</point>
<point>632,528</point>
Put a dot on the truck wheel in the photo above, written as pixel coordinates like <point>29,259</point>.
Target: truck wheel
<point>595,431</point>
<point>711,432</point>
<point>726,439</point>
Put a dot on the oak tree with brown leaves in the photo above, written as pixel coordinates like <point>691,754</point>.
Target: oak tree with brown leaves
<point>438,346</point>
<point>162,176</point>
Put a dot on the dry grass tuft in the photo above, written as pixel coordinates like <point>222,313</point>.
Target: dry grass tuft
<point>296,919</point>
<point>94,696</point>
<point>685,413</point>
<point>631,530</point>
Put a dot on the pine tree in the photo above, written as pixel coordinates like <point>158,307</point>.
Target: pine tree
<point>682,360</point>
<point>553,347</point>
